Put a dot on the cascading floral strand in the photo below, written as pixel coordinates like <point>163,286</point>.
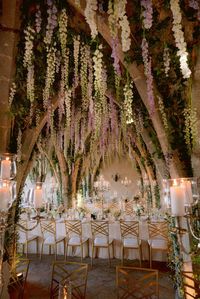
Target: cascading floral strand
<point>179,38</point>
<point>62,21</point>
<point>128,100</point>
<point>84,58</point>
<point>19,146</point>
<point>51,22</point>
<point>38,19</point>
<point>76,60</point>
<point>90,16</point>
<point>166,61</point>
<point>124,24</point>
<point>148,73</point>
<point>28,62</point>
<point>163,114</point>
<point>50,74</point>
<point>191,130</point>
<point>147,13</point>
<point>12,93</point>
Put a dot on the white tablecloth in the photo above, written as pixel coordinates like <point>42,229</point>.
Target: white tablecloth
<point>114,231</point>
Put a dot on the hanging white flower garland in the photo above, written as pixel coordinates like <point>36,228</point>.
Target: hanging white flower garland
<point>12,93</point>
<point>38,19</point>
<point>19,146</point>
<point>124,24</point>
<point>90,16</point>
<point>179,38</point>
<point>76,60</point>
<point>51,22</point>
<point>128,100</point>
<point>166,61</point>
<point>63,19</point>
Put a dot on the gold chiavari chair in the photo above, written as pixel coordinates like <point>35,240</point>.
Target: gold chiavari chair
<point>158,237</point>
<point>100,237</point>
<point>49,237</point>
<point>114,206</point>
<point>18,279</point>
<point>130,238</point>
<point>74,236</point>
<point>129,208</point>
<point>25,236</point>
<point>191,285</point>
<point>137,283</point>
<point>67,274</point>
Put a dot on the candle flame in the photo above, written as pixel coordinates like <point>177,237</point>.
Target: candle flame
<point>7,158</point>
<point>38,187</point>
<point>175,182</point>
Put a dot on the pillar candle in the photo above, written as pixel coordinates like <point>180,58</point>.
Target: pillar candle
<point>177,200</point>
<point>38,199</point>
<point>5,197</point>
<point>5,169</point>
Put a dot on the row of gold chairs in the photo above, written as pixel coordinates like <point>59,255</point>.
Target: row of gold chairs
<point>130,239</point>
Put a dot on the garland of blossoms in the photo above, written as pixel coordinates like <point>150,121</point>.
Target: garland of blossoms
<point>128,100</point>
<point>191,130</point>
<point>163,114</point>
<point>166,60</point>
<point>147,13</point>
<point>19,146</point>
<point>148,73</point>
<point>38,19</point>
<point>12,93</point>
<point>90,16</point>
<point>62,22</point>
<point>28,62</point>
<point>179,38</point>
<point>85,54</point>
<point>50,74</point>
<point>51,22</point>
<point>76,60</point>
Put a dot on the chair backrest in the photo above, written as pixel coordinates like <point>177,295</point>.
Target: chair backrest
<point>73,228</point>
<point>129,208</point>
<point>129,229</point>
<point>48,227</point>
<point>18,278</point>
<point>191,285</point>
<point>158,230</point>
<point>114,206</point>
<point>73,274</point>
<point>100,228</point>
<point>23,225</point>
<point>138,283</point>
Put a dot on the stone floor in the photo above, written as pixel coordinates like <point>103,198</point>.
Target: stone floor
<point>101,278</point>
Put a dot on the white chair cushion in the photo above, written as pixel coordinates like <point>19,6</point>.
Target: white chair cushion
<point>49,240</point>
<point>23,239</point>
<point>130,242</point>
<point>158,243</point>
<point>76,240</point>
<point>102,241</point>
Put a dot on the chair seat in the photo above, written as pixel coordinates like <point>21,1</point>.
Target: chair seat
<point>51,240</point>
<point>104,242</point>
<point>130,243</point>
<point>23,240</point>
<point>76,240</point>
<point>158,244</point>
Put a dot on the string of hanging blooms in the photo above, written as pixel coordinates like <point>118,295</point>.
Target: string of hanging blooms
<point>163,114</point>
<point>19,146</point>
<point>38,19</point>
<point>166,60</point>
<point>62,22</point>
<point>147,13</point>
<point>148,73</point>
<point>84,59</point>
<point>50,74</point>
<point>76,59</point>
<point>51,22</point>
<point>191,130</point>
<point>90,16</point>
<point>195,5</point>
<point>125,28</point>
<point>28,62</point>
<point>128,100</point>
<point>98,69</point>
<point>12,93</point>
<point>179,38</point>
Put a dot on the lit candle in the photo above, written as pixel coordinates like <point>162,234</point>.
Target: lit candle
<point>177,200</point>
<point>5,169</point>
<point>5,197</point>
<point>38,203</point>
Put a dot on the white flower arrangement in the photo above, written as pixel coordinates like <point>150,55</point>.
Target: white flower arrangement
<point>90,16</point>
<point>191,129</point>
<point>179,38</point>
<point>12,93</point>
<point>84,60</point>
<point>163,114</point>
<point>139,209</point>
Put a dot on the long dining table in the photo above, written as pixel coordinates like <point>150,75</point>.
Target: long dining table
<point>114,233</point>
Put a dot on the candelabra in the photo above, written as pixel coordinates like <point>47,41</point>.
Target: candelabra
<point>101,186</point>
<point>7,196</point>
<point>181,198</point>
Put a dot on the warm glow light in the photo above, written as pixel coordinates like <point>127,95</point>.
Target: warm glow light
<point>175,182</point>
<point>7,158</point>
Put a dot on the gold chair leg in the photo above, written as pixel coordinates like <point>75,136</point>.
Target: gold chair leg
<point>64,248</point>
<point>81,252</point>
<point>109,256</point>
<point>92,255</point>
<point>50,249</point>
<point>55,251</point>
<point>66,251</point>
<point>26,249</point>
<point>140,254</point>
<point>150,256</point>
<point>41,252</point>
<point>122,257</point>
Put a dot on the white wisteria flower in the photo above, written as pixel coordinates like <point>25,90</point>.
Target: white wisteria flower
<point>90,16</point>
<point>179,38</point>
